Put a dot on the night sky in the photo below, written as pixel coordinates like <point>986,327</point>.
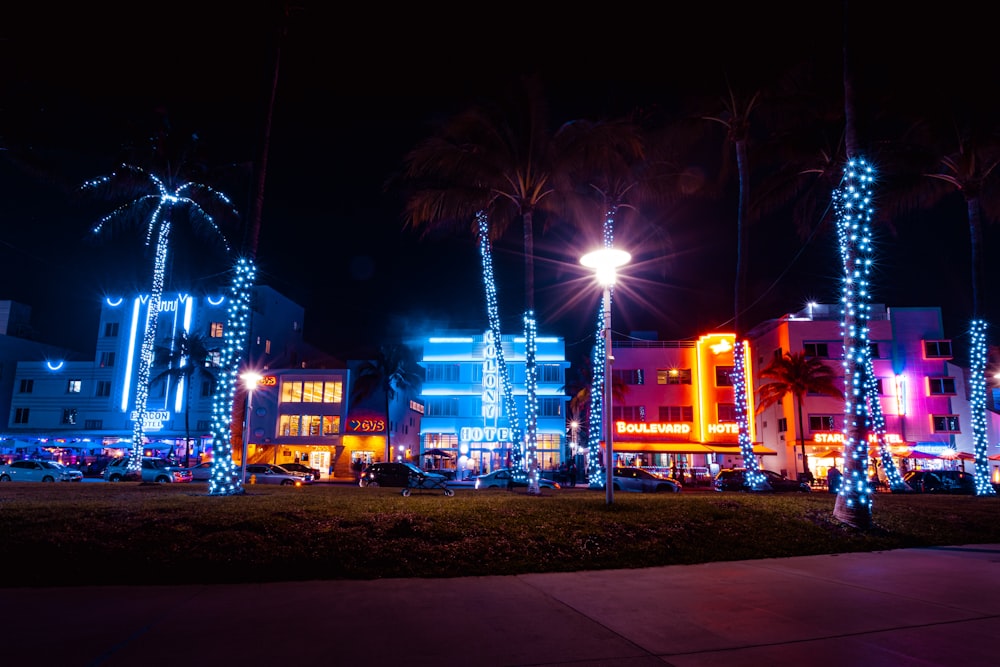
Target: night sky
<point>358,87</point>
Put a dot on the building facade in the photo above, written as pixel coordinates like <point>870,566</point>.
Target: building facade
<point>676,410</point>
<point>923,394</point>
<point>467,425</point>
<point>89,406</point>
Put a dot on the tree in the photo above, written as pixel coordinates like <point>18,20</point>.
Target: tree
<point>795,374</point>
<point>186,358</point>
<point>391,372</point>
<point>498,162</point>
<point>153,201</point>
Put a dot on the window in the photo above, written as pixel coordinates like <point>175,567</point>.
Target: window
<point>73,386</point>
<point>312,391</point>
<point>442,407</point>
<point>676,413</point>
<point>673,376</point>
<point>206,388</point>
<point>723,376</point>
<point>937,349</point>
<point>213,359</point>
<point>107,360</point>
<point>726,412</point>
<point>822,422</point>
<point>550,407</point>
<point>442,372</point>
<point>93,424</point>
<point>267,346</point>
<point>477,374</point>
<point>110,329</point>
<point>782,424</point>
<point>103,388</point>
<point>26,387</point>
<point>331,424</point>
<point>215,330</point>
<point>628,376</point>
<point>878,387</point>
<point>202,425</point>
<point>69,416</point>
<point>629,413</point>
<point>550,373</point>
<point>820,350</point>
<point>21,415</point>
<point>941,386</point>
<point>945,423</point>
<point>873,350</point>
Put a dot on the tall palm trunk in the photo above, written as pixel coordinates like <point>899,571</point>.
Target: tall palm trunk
<point>978,354</point>
<point>530,370</point>
<point>493,315</point>
<point>753,477</point>
<point>148,338</point>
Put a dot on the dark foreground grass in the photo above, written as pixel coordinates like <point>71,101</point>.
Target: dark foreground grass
<point>87,533</point>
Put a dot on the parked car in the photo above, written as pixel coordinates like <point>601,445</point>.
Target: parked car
<point>643,481</point>
<point>397,473</point>
<point>38,471</point>
<point>201,472</point>
<point>941,481</point>
<point>501,478</point>
<point>154,470</point>
<point>731,479</point>
<point>302,468</point>
<point>270,473</point>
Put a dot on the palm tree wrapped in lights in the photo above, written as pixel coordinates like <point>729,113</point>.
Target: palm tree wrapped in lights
<point>154,205</point>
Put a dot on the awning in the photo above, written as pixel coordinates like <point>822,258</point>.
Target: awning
<point>958,456</point>
<point>995,457</point>
<point>828,454</point>
<point>661,447</point>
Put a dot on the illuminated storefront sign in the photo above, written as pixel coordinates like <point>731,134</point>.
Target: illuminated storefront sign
<point>484,434</point>
<point>652,428</point>
<point>838,438</point>
<point>154,419</point>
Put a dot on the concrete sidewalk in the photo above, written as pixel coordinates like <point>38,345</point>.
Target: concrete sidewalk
<point>911,607</point>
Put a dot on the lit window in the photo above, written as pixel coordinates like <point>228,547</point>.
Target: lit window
<point>937,349</point>
<point>941,386</point>
<point>73,386</point>
<point>945,423</point>
<point>215,330</point>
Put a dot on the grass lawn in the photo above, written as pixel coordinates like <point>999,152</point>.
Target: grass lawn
<point>131,533</point>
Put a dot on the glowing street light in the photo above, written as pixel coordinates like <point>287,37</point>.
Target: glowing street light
<point>605,263</point>
<point>250,380</point>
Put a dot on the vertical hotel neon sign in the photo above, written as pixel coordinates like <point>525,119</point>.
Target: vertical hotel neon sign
<point>491,380</point>
<point>714,350</point>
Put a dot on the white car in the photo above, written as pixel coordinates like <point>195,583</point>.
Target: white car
<point>154,470</point>
<point>38,471</point>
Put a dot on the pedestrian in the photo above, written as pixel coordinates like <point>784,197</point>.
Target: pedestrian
<point>673,470</point>
<point>572,473</point>
<point>833,478</point>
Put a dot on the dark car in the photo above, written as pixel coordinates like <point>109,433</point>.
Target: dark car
<point>731,479</point>
<point>396,473</point>
<point>941,481</point>
<point>502,478</point>
<point>302,468</point>
<point>643,481</point>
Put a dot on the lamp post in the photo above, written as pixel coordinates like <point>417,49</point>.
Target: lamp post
<point>605,262</point>
<point>250,380</point>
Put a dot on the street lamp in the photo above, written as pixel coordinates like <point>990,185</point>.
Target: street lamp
<point>605,262</point>
<point>250,380</point>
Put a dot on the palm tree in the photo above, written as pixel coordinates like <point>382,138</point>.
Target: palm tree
<point>488,161</point>
<point>391,372</point>
<point>968,166</point>
<point>185,358</point>
<point>153,201</point>
<point>736,120</point>
<point>795,374</point>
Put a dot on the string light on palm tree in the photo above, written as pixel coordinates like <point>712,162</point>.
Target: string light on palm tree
<point>606,263</point>
<point>158,198</point>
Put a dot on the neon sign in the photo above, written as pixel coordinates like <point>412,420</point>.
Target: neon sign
<point>838,438</point>
<point>652,428</point>
<point>491,378</point>
<point>154,419</point>
<point>484,434</point>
